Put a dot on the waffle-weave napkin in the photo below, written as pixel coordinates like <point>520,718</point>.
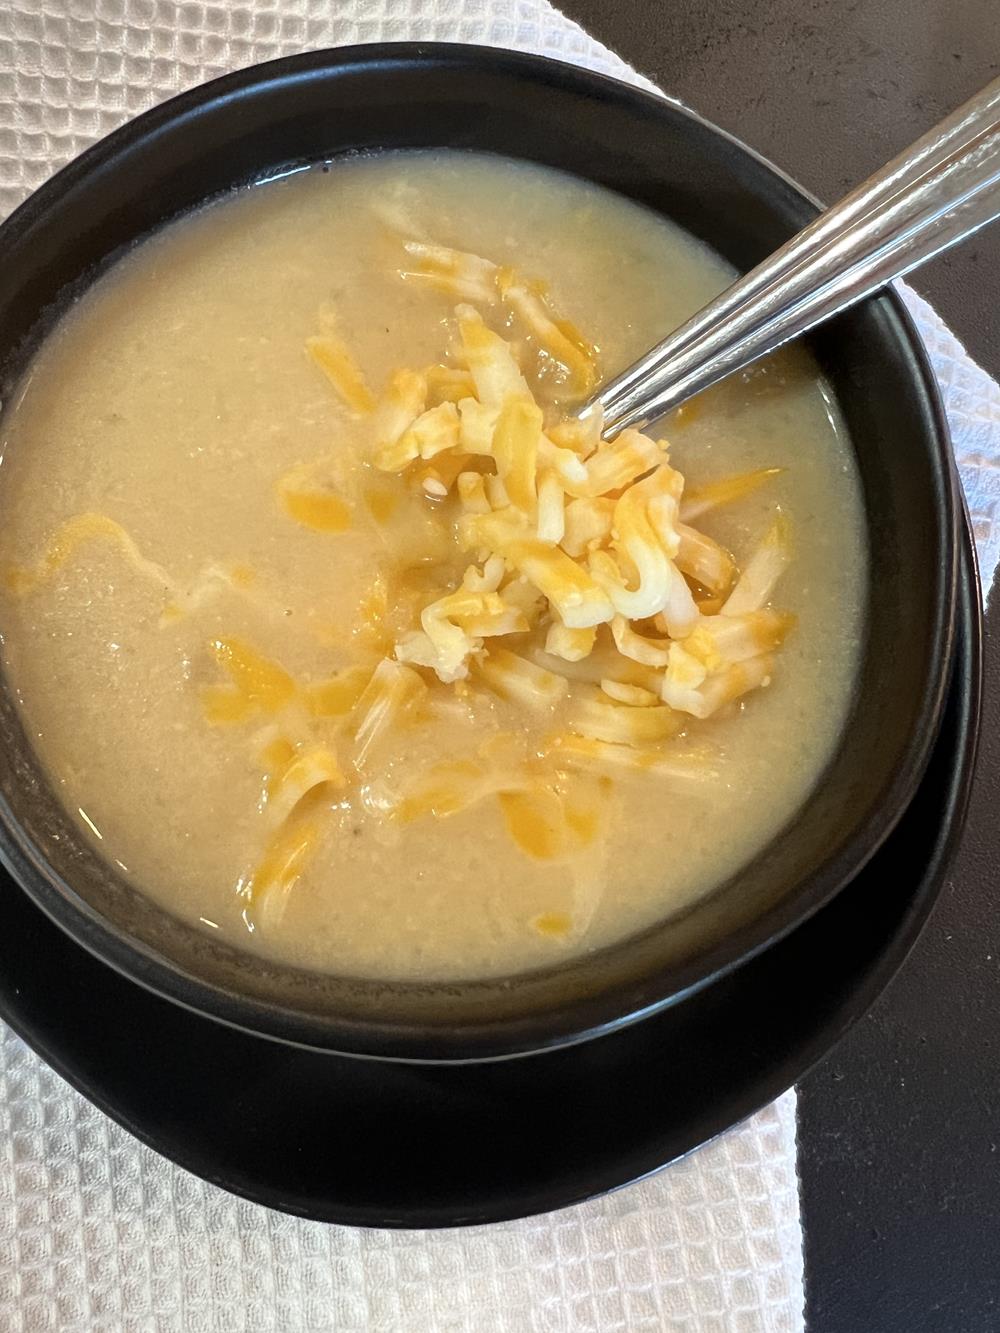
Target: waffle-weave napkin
<point>100,1235</point>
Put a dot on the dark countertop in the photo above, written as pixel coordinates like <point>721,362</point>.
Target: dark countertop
<point>899,1128</point>
<point>829,90</point>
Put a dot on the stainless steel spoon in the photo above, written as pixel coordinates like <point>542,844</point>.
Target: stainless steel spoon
<point>941,190</point>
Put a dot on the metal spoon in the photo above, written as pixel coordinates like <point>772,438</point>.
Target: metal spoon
<point>936,193</point>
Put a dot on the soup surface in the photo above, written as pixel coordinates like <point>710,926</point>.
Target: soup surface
<point>216,574</point>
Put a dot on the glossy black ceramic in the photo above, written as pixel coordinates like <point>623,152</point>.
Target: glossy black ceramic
<point>387,1144</point>
<point>251,124</point>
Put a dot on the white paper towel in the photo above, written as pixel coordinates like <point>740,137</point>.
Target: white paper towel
<point>99,1234</point>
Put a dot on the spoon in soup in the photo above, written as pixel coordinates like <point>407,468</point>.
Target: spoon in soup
<point>935,194</point>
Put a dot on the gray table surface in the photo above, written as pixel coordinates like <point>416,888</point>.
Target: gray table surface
<point>899,1127</point>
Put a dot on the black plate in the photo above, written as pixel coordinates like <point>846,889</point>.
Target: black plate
<point>377,1144</point>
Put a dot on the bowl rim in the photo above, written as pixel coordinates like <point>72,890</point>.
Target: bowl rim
<point>580,1018</point>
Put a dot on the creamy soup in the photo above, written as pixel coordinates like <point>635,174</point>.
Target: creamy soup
<point>343,638</point>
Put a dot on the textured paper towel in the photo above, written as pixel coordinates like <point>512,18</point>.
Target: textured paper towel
<point>96,1231</point>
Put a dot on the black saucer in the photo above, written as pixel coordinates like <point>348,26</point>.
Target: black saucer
<point>353,1141</point>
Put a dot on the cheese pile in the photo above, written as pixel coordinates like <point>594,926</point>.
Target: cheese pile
<point>578,548</point>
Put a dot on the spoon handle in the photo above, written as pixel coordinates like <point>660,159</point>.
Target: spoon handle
<point>940,190</point>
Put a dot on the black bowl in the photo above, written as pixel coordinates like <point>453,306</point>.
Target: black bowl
<point>241,129</point>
